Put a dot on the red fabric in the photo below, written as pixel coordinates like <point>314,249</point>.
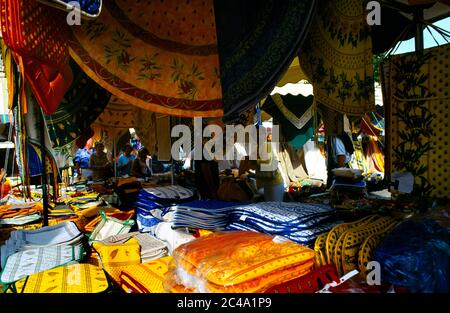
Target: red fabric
<point>309,283</point>
<point>35,31</point>
<point>48,83</point>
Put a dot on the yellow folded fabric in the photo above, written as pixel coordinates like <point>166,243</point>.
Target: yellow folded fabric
<point>337,231</point>
<point>75,278</point>
<point>146,277</point>
<point>116,257</point>
<point>320,250</point>
<point>355,237</point>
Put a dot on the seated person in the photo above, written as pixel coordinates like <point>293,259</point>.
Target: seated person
<point>140,168</point>
<point>125,161</point>
<point>99,163</point>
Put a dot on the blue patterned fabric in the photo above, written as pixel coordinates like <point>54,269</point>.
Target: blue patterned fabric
<point>299,222</point>
<point>257,42</point>
<point>167,195</point>
<point>92,7</point>
<point>203,214</point>
<point>416,255</point>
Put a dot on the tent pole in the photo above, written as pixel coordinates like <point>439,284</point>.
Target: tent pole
<point>114,157</point>
<point>44,171</point>
<point>418,19</point>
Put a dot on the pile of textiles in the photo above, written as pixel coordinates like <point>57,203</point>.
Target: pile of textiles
<point>111,226</point>
<point>350,246</point>
<point>154,203</point>
<point>31,251</point>
<point>203,214</point>
<point>346,188</point>
<point>148,277</point>
<point>89,279</point>
<point>151,248</point>
<point>299,222</point>
<point>416,255</point>
<point>20,214</point>
<point>238,262</point>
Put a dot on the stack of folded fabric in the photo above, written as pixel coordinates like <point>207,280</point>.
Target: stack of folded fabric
<point>115,257</point>
<point>240,262</point>
<point>203,214</point>
<point>31,251</point>
<point>147,277</point>
<point>151,248</point>
<point>350,246</point>
<point>299,222</point>
<point>153,204</point>
<point>20,214</point>
<point>73,278</point>
<point>110,226</point>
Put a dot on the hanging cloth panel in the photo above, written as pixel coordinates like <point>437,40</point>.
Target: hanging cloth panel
<point>258,40</point>
<point>337,57</point>
<point>294,115</point>
<point>417,100</point>
<point>164,61</point>
<point>81,105</point>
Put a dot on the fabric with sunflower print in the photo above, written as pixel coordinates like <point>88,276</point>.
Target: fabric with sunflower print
<point>158,55</point>
<point>417,101</point>
<point>337,57</point>
<point>79,108</point>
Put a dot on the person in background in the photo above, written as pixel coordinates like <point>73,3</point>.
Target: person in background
<point>140,168</point>
<point>99,163</point>
<point>271,181</point>
<point>125,161</point>
<point>81,160</point>
<point>342,149</point>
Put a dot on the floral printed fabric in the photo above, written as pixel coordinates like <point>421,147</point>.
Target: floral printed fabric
<point>337,57</point>
<point>159,56</point>
<point>417,102</point>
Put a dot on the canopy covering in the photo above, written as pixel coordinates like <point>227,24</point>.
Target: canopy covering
<point>195,58</point>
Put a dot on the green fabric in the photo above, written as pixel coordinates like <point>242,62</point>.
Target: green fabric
<point>298,105</point>
<point>81,106</point>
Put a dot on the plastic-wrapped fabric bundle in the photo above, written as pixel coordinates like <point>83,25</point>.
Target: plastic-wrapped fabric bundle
<point>240,261</point>
<point>416,255</point>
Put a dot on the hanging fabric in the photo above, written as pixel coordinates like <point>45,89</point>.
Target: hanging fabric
<point>81,105</point>
<point>417,100</point>
<point>165,60</point>
<point>337,57</point>
<point>294,115</point>
<point>90,9</point>
<point>257,41</point>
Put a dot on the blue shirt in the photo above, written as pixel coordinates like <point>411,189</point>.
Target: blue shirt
<point>82,157</point>
<point>124,160</point>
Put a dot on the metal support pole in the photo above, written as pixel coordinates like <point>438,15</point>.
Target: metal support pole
<point>418,19</point>
<point>44,171</point>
